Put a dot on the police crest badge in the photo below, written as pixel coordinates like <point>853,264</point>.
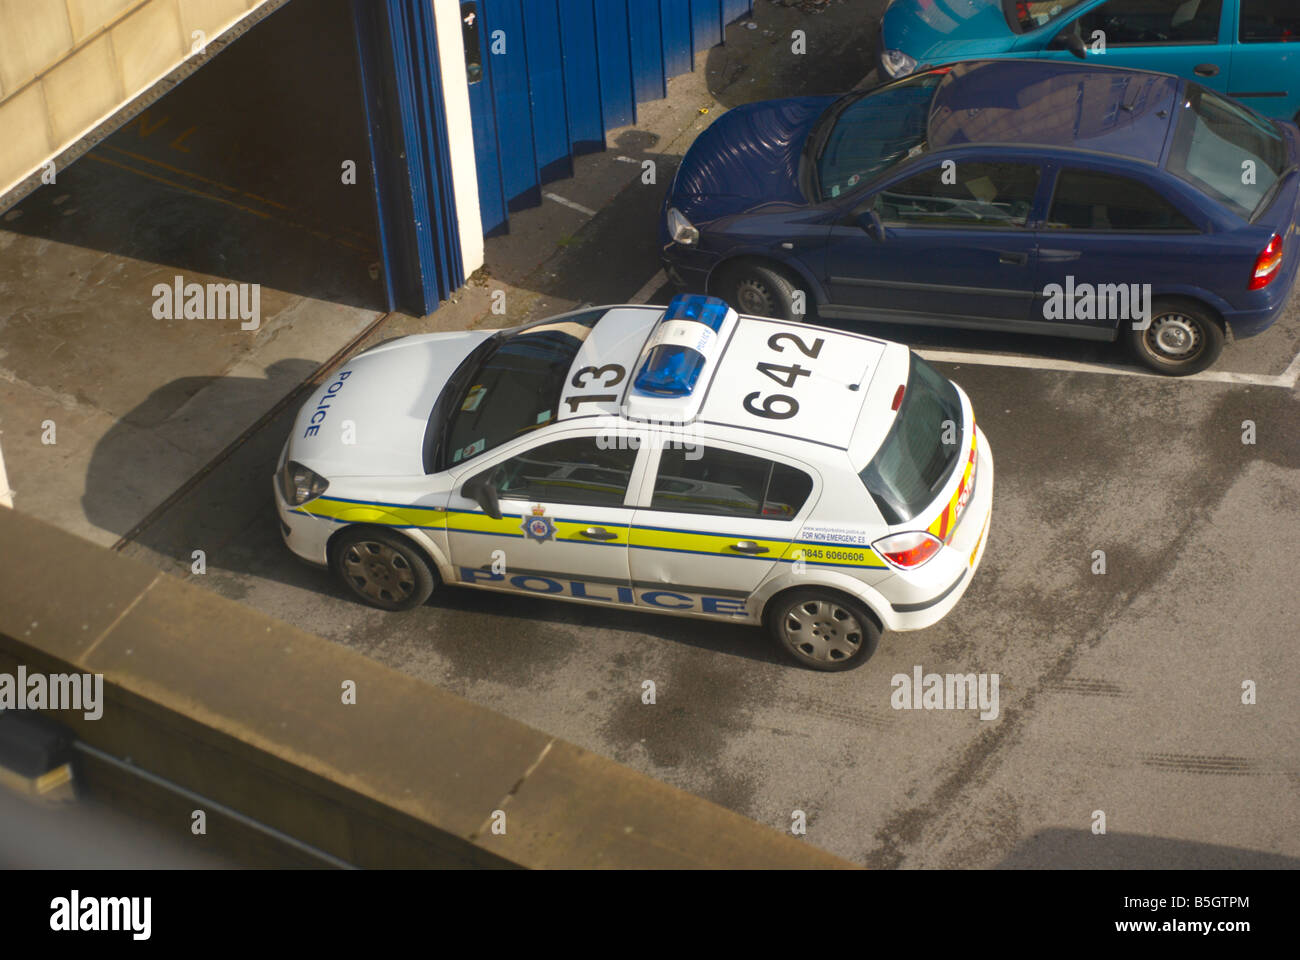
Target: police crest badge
<point>539,526</point>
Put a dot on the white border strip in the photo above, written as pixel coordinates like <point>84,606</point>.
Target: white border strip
<point>570,204</point>
<point>651,285</point>
<point>1286,380</point>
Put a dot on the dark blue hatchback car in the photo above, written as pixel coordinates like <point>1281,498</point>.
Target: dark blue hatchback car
<point>1025,196</point>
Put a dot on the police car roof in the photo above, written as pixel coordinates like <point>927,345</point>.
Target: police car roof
<point>792,380</point>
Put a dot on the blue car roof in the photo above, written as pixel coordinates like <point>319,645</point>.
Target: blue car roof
<point>1124,113</point>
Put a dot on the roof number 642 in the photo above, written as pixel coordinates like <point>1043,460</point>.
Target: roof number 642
<point>782,406</point>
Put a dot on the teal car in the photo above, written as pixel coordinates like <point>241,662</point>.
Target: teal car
<point>1247,49</point>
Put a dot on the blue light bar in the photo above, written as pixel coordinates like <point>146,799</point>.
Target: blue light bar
<point>670,371</point>
<point>709,311</point>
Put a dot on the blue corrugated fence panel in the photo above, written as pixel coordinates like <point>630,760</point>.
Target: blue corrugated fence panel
<point>546,90</point>
<point>581,75</point>
<point>731,9</point>
<point>508,61</point>
<point>706,18</point>
<point>557,74</point>
<point>675,26</point>
<point>615,52</point>
<point>647,50</point>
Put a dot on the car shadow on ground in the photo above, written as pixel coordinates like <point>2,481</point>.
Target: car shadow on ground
<point>1082,850</point>
<point>124,479</point>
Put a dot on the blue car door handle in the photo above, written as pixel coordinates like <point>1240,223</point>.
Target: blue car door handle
<point>1012,256</point>
<point>1046,255</point>
<point>1206,70</point>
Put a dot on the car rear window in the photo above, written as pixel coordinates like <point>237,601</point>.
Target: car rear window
<point>1269,21</point>
<point>1226,151</point>
<point>921,448</point>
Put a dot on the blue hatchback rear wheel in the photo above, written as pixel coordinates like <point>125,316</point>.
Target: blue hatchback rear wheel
<point>1182,338</point>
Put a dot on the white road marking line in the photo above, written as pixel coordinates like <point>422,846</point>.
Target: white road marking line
<point>651,285</point>
<point>570,204</point>
<point>622,159</point>
<point>1287,380</point>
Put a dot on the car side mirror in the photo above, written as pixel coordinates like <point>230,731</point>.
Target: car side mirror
<point>483,492</point>
<point>1070,39</point>
<point>870,222</point>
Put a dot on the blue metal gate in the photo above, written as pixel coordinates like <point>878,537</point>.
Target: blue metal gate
<point>409,152</point>
<point>549,77</point>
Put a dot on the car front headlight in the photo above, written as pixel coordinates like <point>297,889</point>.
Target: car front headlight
<point>896,63</point>
<point>681,229</point>
<point>300,484</point>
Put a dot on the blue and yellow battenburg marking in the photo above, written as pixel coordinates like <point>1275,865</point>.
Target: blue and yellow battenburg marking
<point>543,529</point>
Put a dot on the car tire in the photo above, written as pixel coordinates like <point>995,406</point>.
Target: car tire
<point>382,569</point>
<point>760,291</point>
<point>822,629</point>
<point>1183,338</point>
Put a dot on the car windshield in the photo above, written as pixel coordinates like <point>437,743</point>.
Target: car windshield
<point>921,448</point>
<point>871,133</point>
<point>1026,15</point>
<point>514,388</point>
<point>1226,151</point>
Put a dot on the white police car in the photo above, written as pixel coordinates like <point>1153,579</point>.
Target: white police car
<point>688,461</point>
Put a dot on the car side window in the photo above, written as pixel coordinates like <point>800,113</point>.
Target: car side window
<point>1099,201</point>
<point>1146,22</point>
<point>962,194</point>
<point>1269,21</point>
<point>577,470</point>
<point>708,480</point>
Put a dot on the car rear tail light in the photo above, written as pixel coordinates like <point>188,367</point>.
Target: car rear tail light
<point>1267,264</point>
<point>908,550</point>
<point>898,396</point>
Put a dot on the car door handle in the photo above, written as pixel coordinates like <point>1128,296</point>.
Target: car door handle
<point>1206,70</point>
<point>1009,256</point>
<point>598,533</point>
<point>747,546</point>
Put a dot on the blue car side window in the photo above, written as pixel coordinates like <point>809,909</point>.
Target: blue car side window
<point>962,194</point>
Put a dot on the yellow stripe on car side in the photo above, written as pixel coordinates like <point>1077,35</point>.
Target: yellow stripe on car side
<point>347,511</point>
<point>648,538</point>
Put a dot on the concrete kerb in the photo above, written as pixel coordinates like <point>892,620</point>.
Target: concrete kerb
<point>228,704</point>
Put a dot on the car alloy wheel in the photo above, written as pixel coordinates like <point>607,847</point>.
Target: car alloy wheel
<point>382,570</point>
<point>823,630</point>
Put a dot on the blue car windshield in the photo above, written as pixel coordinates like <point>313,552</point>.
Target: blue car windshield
<point>1026,15</point>
<point>874,132</point>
